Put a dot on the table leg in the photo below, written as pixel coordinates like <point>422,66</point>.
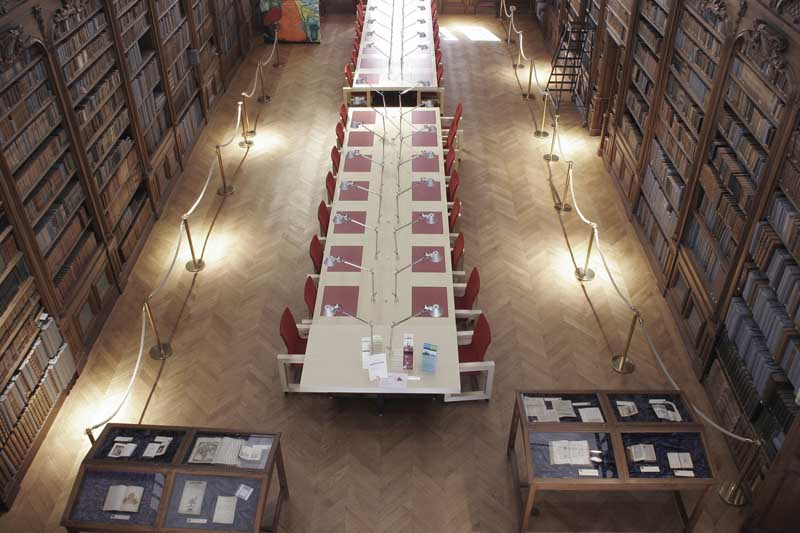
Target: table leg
<point>696,512</point>
<point>512,434</point>
<point>282,471</point>
<point>526,513</point>
<point>676,496</point>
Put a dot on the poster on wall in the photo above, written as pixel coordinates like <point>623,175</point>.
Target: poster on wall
<point>298,19</point>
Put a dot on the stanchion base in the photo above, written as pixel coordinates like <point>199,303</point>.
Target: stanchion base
<point>191,266</point>
<point>250,133</point>
<point>551,157</point>
<point>515,65</point>
<point>564,207</point>
<point>732,494</point>
<point>584,275</point>
<point>162,351</point>
<point>226,190</point>
<point>246,144</point>
<point>541,134</point>
<point>622,365</point>
<point>265,99</point>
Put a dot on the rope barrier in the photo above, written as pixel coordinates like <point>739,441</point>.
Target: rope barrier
<point>259,66</point>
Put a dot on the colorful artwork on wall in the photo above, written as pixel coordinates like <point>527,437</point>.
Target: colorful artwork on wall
<point>298,19</point>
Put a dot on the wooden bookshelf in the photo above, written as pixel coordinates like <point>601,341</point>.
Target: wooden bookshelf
<point>702,141</point>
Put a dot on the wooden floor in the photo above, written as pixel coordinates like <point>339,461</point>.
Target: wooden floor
<point>423,466</point>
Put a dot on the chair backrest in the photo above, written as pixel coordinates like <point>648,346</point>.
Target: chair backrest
<point>348,74</point>
<point>450,142</point>
<point>324,218</point>
<point>481,339</point>
<point>452,187</point>
<point>454,214</point>
<point>473,287</point>
<point>330,186</point>
<point>449,159</point>
<point>438,57</point>
<point>439,73</point>
<point>290,334</point>
<point>310,296</point>
<point>339,135</point>
<point>315,251</point>
<point>458,251</point>
<point>343,114</point>
<point>354,58</point>
<point>336,157</point>
<point>457,116</point>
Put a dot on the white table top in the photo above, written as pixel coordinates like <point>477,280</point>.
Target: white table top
<point>397,50</point>
<point>333,360</point>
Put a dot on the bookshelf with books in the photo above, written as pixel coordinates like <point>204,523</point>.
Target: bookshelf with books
<point>204,22</point>
<point>229,24</point>
<point>107,115</point>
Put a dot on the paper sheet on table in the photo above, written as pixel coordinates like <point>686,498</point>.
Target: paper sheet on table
<point>225,510</point>
<point>591,414</point>
<point>680,460</point>
<point>569,452</point>
<point>666,410</point>
<point>626,408</point>
<point>377,367</point>
<point>642,452</point>
<point>395,380</point>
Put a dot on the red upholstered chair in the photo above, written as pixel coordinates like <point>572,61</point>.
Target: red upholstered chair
<point>358,34</point>
<point>343,115</point>
<point>452,186</point>
<point>336,158</point>
<point>295,344</point>
<point>475,351</point>
<point>467,301</point>
<point>450,140</point>
<point>455,212</point>
<point>457,254</point>
<point>450,125</point>
<point>436,43</point>
<point>354,59</point>
<point>310,295</point>
<point>330,186</point>
<point>339,135</point>
<point>449,159</point>
<point>315,251</point>
<point>324,218</point>
<point>348,74</point>
<point>438,57</point>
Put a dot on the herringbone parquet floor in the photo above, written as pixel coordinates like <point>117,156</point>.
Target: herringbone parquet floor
<point>423,467</point>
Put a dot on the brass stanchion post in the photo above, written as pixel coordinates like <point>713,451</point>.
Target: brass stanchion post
<point>561,204</point>
<point>541,133</point>
<point>161,350</point>
<point>264,98</point>
<point>733,492</point>
<point>518,64</point>
<point>195,265</point>
<point>247,132</point>
<point>225,189</point>
<point>552,156</point>
<point>586,273</point>
<point>620,362</point>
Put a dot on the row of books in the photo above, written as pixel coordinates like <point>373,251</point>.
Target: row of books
<point>69,237</point>
<point>170,19</point>
<point>744,144</point>
<point>57,378</point>
<point>142,87</point>
<point>647,60</point>
<point>764,96</point>
<point>49,187</point>
<point>654,13</point>
<point>105,88</point>
<point>127,168</point>
<point>672,122</point>
<point>29,139</point>
<point>103,173</point>
<point>679,159</point>
<point>177,43</point>
<point>57,216</point>
<point>103,116</point>
<point>667,217</point>
<point>732,174</point>
<point>136,58</point>
<point>739,381</point>
<point>722,233</point>
<point>27,299</point>
<point>229,30</point>
<point>717,19</point>
<point>159,126</point>
<point>694,84</point>
<point>26,57</point>
<point>680,99</point>
<point>83,86</point>
<point>654,234</point>
<point>124,195</point>
<point>88,31</point>
<point>751,346</point>
<point>190,125</point>
<point>163,5</point>
<point>73,19</point>
<point>26,378</point>
<point>23,111</point>
<point>695,55</point>
<point>12,282</point>
<point>184,92</point>
<point>121,6</point>
<point>759,125</point>
<point>87,56</point>
<point>40,161</point>
<point>702,245</point>
<point>770,257</point>
<point>128,216</point>
<point>102,147</point>
<point>638,107</point>
<point>135,233</point>
<point>133,24</point>
<point>200,11</point>
<point>790,180</point>
<point>178,70</point>
<point>71,272</point>
<point>786,221</point>
<point>668,178</point>
<point>8,249</point>
<point>780,334</point>
<point>631,132</point>
<point>25,319</point>
<point>14,93</point>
